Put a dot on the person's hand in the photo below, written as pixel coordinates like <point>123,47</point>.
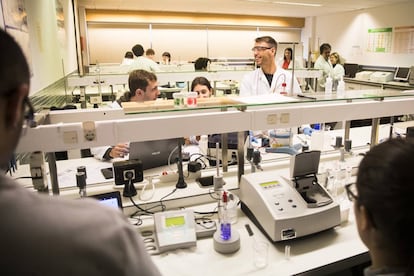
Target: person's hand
<point>120,150</point>
<point>308,131</point>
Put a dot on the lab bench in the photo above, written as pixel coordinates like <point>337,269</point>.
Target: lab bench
<point>324,252</point>
<point>356,84</point>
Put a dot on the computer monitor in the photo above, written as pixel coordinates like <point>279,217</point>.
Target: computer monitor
<point>112,199</point>
<point>402,74</point>
<point>232,140</point>
<point>154,153</point>
<point>351,69</point>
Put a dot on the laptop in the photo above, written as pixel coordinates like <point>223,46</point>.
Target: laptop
<point>154,154</point>
<point>112,199</point>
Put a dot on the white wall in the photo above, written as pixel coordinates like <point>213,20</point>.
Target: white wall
<point>348,33</point>
<point>185,43</point>
<point>50,46</point>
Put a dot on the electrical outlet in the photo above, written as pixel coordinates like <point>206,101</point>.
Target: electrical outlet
<point>272,119</point>
<point>284,118</point>
<point>70,137</point>
<point>89,131</point>
<point>95,99</point>
<point>129,175</point>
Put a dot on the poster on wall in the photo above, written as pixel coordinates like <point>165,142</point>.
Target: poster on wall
<point>15,16</point>
<point>60,22</point>
<point>15,22</point>
<point>379,40</point>
<point>404,40</point>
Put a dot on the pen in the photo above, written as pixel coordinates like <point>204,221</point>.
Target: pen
<point>307,97</point>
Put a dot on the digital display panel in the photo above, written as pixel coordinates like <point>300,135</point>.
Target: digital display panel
<point>111,202</point>
<point>269,184</point>
<point>174,221</point>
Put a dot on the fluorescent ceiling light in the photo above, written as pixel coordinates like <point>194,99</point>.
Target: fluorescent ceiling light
<point>297,4</point>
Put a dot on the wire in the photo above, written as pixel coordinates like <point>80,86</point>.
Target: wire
<point>211,192</point>
<point>138,207</point>
<point>169,157</point>
<point>167,195</point>
<point>143,190</point>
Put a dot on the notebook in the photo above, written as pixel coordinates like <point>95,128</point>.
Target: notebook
<point>154,153</point>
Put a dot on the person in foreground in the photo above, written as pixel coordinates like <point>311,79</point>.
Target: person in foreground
<point>48,235</point>
<point>383,196</point>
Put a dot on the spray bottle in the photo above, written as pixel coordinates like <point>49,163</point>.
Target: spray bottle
<point>340,92</point>
<point>328,85</point>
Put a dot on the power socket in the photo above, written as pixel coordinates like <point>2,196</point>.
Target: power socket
<point>124,170</point>
<point>89,131</point>
<point>129,175</point>
<point>169,177</point>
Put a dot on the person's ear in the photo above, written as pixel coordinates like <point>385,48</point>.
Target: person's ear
<point>365,220</point>
<point>14,109</point>
<point>139,92</point>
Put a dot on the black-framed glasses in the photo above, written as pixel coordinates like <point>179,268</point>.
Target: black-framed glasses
<point>260,48</point>
<point>351,191</point>
<point>29,112</point>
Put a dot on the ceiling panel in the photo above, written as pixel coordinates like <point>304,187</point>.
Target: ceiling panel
<point>289,8</point>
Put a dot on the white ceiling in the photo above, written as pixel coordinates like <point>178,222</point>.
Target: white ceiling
<point>250,7</point>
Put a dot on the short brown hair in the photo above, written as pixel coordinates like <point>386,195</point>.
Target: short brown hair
<point>268,39</point>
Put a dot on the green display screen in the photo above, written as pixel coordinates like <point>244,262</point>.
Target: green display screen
<point>174,221</point>
<point>270,183</point>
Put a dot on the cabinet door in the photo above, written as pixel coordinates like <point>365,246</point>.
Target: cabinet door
<point>352,86</point>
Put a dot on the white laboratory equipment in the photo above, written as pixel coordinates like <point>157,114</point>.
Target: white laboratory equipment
<point>289,208</point>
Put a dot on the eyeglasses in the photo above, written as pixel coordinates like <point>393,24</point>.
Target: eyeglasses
<point>351,191</point>
<point>29,113</point>
<point>260,48</point>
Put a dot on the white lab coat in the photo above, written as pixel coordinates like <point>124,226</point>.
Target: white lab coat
<point>338,72</point>
<point>144,63</point>
<point>98,152</point>
<point>298,63</point>
<point>255,83</point>
<point>326,68</point>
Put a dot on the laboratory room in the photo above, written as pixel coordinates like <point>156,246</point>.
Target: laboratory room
<point>206,137</point>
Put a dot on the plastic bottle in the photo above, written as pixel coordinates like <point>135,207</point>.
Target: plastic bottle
<point>328,85</point>
<point>202,144</point>
<point>317,138</point>
<point>283,89</point>
<point>340,91</point>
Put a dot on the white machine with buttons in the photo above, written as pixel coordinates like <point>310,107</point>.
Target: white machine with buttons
<point>285,209</point>
<point>175,229</point>
<point>382,76</point>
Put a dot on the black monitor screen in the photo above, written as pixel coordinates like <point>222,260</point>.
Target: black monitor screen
<point>351,69</point>
<point>231,140</point>
<point>402,73</point>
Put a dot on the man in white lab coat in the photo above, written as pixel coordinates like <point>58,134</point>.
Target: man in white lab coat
<point>269,78</point>
<point>323,63</point>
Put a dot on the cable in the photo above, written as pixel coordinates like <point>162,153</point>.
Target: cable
<point>211,192</point>
<point>138,207</point>
<point>169,157</point>
<point>143,190</point>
